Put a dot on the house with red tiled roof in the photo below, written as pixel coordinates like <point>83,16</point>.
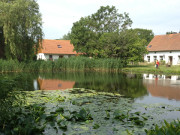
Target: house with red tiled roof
<point>164,48</point>
<point>55,49</point>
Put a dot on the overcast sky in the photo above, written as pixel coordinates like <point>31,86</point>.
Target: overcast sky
<point>158,15</point>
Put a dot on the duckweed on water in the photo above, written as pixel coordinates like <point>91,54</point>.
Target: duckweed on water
<point>81,111</point>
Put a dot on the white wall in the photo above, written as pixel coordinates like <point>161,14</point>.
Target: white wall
<point>43,56</point>
<point>174,54</point>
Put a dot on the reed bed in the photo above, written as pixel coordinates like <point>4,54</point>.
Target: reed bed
<point>11,66</point>
<point>64,64</point>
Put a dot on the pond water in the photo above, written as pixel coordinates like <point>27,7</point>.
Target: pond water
<point>143,88</point>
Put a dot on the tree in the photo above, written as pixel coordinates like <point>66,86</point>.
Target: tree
<point>2,43</point>
<point>136,46</point>
<point>22,28</point>
<point>144,34</point>
<point>105,34</point>
<point>126,45</point>
<point>88,31</point>
<point>171,32</point>
<point>66,37</point>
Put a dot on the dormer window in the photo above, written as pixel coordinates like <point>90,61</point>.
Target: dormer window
<point>59,46</point>
<point>150,46</point>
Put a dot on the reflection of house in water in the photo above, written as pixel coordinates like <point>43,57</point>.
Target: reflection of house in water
<point>53,84</point>
<point>163,86</point>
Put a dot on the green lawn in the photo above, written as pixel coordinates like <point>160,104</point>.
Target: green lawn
<point>151,69</point>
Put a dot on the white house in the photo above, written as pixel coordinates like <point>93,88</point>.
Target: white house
<point>55,49</point>
<point>164,47</point>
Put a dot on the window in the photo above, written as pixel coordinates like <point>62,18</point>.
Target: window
<point>178,59</point>
<point>150,46</point>
<point>50,57</point>
<point>155,58</point>
<point>148,58</point>
<point>59,46</point>
<point>161,58</point>
<point>60,56</point>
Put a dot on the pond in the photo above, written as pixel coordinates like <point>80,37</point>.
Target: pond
<point>143,88</point>
<point>87,103</point>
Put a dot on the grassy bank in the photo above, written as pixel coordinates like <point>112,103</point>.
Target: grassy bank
<point>64,64</point>
<point>151,69</point>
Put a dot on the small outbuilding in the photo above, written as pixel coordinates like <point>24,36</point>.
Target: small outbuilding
<point>164,48</point>
<point>55,49</point>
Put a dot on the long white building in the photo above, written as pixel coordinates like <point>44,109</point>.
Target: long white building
<point>164,47</point>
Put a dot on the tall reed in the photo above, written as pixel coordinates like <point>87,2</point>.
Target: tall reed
<point>64,64</point>
<point>11,66</point>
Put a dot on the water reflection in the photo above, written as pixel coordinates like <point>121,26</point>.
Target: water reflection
<point>145,88</point>
<point>53,84</point>
<point>162,86</point>
<point>129,85</point>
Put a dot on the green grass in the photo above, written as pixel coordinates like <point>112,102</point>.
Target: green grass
<point>151,69</point>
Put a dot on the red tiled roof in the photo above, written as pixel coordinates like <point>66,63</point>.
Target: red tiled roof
<point>50,84</point>
<point>51,47</point>
<point>170,42</point>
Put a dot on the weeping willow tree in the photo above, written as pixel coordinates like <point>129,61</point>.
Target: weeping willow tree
<point>20,29</point>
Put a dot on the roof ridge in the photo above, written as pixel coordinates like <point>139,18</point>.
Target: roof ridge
<point>165,43</point>
<point>168,34</point>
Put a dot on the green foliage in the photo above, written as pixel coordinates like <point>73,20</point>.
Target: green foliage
<point>10,66</point>
<point>136,118</point>
<point>8,96</point>
<point>25,120</point>
<point>144,34</point>
<point>2,42</point>
<point>21,23</point>
<point>11,95</point>
<point>66,37</point>
<point>87,35</point>
<point>82,115</point>
<point>132,47</point>
<point>172,128</point>
<point>104,34</point>
<point>171,32</point>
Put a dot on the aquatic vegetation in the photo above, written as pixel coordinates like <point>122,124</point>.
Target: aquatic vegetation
<point>136,118</point>
<point>83,111</point>
<point>172,128</point>
<point>8,97</point>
